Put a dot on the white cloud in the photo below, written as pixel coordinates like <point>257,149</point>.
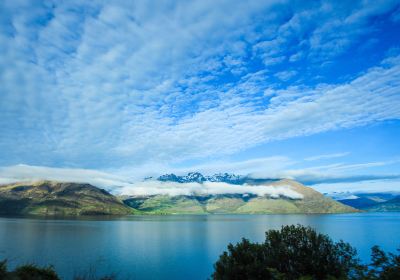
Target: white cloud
<point>285,75</point>
<point>120,185</point>
<point>334,173</point>
<point>270,164</point>
<point>231,127</point>
<point>328,156</point>
<point>26,173</point>
<point>111,84</point>
<point>207,188</point>
<point>364,186</point>
<point>323,178</point>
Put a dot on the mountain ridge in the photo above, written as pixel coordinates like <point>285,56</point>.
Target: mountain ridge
<point>52,198</point>
<point>197,177</point>
<point>312,202</point>
<point>372,202</point>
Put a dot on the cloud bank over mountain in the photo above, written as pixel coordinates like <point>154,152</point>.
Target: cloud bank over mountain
<point>207,188</point>
<point>26,173</point>
<point>322,181</point>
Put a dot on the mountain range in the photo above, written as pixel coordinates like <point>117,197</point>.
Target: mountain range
<point>373,202</point>
<point>75,199</point>
<point>196,177</point>
<point>309,201</point>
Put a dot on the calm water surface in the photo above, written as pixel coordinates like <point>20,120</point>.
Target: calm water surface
<point>170,247</point>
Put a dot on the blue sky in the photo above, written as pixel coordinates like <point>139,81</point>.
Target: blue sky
<point>306,90</point>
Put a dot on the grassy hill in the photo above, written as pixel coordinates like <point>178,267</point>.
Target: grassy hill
<point>312,202</point>
<point>48,198</point>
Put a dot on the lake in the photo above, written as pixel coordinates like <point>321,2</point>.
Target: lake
<point>170,247</point>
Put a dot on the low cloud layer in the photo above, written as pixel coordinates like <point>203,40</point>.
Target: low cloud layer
<point>322,179</point>
<point>121,185</point>
<point>207,188</point>
<point>390,185</point>
<point>25,173</point>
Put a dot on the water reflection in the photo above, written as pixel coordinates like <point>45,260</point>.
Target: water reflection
<point>165,247</point>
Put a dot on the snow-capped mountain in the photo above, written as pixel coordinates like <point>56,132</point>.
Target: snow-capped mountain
<point>226,178</point>
<point>196,177</point>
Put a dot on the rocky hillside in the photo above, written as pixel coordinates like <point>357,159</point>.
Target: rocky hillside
<point>311,202</point>
<point>48,198</point>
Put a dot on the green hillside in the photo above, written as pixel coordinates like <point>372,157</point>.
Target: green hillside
<point>46,198</point>
<point>312,202</point>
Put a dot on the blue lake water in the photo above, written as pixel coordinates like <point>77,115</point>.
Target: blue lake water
<point>170,247</point>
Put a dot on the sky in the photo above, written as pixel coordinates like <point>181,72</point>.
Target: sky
<point>113,91</point>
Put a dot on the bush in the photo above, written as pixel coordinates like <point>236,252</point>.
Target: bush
<point>27,272</point>
<point>298,252</point>
<point>244,261</point>
<point>32,272</point>
<point>3,269</point>
<point>384,266</point>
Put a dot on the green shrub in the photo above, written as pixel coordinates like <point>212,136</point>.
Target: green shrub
<point>384,266</point>
<point>32,272</point>
<point>3,269</point>
<point>27,272</point>
<point>298,252</point>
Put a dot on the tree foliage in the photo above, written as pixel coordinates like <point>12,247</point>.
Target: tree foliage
<point>298,252</point>
<point>384,266</point>
<point>34,272</point>
<point>27,272</point>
